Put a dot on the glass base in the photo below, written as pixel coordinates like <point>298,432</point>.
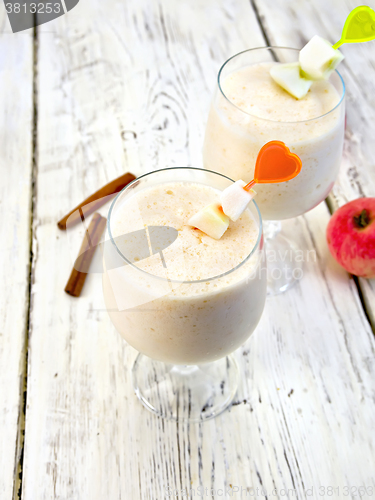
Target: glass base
<point>283,267</point>
<point>185,393</point>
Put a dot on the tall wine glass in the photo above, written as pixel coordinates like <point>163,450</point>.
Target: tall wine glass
<point>234,137</point>
<point>185,331</point>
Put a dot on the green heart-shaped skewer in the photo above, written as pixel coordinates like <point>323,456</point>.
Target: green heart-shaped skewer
<point>359,26</point>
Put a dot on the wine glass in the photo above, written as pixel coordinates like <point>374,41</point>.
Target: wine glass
<point>185,330</point>
<point>245,114</point>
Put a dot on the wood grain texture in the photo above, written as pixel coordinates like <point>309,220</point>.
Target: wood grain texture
<point>292,24</point>
<point>126,86</point>
<point>16,92</point>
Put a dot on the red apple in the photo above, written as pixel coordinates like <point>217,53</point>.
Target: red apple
<point>351,237</point>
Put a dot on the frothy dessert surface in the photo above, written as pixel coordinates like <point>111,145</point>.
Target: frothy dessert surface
<point>193,255</point>
<point>254,91</point>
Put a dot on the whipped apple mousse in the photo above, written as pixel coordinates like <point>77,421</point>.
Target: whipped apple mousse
<point>197,299</point>
<point>250,108</point>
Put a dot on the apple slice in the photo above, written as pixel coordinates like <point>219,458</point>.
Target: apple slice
<point>289,77</point>
<point>318,59</point>
<point>234,199</point>
<point>211,220</point>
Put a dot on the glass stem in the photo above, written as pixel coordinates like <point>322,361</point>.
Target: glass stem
<point>271,228</point>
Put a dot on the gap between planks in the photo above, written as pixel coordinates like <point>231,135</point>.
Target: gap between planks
<point>18,465</point>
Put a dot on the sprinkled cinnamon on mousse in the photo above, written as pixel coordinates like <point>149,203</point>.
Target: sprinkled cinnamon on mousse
<point>173,205</point>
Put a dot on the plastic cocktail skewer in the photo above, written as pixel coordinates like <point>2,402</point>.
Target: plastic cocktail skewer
<point>318,58</point>
<point>249,185</point>
<point>275,163</point>
<point>359,26</point>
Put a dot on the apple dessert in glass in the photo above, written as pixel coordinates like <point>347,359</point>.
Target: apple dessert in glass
<point>183,299</point>
<point>250,108</point>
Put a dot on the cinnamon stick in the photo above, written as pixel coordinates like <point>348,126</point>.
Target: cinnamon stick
<point>89,244</point>
<point>96,200</point>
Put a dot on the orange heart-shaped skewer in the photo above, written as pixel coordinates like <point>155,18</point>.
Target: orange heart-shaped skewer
<point>275,163</point>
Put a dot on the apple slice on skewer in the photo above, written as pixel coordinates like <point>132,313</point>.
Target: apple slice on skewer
<point>275,163</point>
<point>234,199</point>
<point>211,220</point>
<point>289,77</point>
<point>318,59</point>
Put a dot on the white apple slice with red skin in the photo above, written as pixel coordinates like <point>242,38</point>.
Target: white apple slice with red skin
<point>289,77</point>
<point>234,199</point>
<point>318,59</point>
<point>211,220</point>
<point>351,237</point>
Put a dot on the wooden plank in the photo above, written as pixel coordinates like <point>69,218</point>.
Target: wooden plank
<point>16,92</point>
<point>292,24</point>
<point>126,86</point>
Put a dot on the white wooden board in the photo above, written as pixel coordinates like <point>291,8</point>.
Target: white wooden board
<point>126,86</point>
<point>16,60</point>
